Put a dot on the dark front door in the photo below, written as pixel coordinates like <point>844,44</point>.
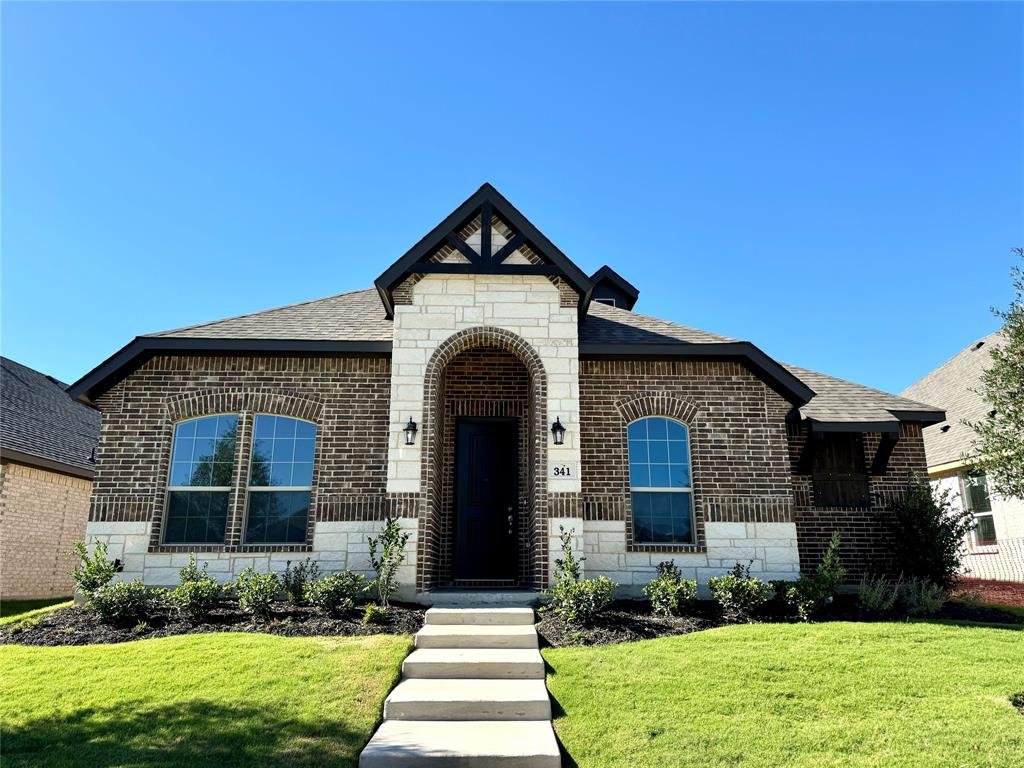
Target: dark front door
<point>485,499</point>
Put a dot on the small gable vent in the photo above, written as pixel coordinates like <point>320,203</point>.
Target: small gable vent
<point>977,346</point>
<point>944,428</point>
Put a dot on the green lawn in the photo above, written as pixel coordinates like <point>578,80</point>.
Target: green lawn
<point>10,609</point>
<point>201,700</point>
<point>835,694</point>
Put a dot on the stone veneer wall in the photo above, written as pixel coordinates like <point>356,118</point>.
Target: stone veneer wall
<point>347,397</point>
<point>864,532</point>
<point>42,514</point>
<point>742,492</point>
<point>445,316</point>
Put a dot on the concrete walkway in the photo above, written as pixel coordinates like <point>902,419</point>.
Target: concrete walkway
<point>472,694</point>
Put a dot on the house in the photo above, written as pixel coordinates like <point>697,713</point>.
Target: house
<point>47,442</point>
<point>995,550</point>
<point>488,393</point>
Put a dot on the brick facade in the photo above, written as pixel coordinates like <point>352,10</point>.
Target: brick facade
<point>749,503</point>
<point>42,514</point>
<point>737,430</point>
<point>347,397</point>
<point>863,531</point>
<point>485,381</point>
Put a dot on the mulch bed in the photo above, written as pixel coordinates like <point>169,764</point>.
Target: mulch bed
<point>988,591</point>
<point>624,622</point>
<point>77,626</point>
<point>627,621</point>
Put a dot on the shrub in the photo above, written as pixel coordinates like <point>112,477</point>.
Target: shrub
<point>582,601</point>
<point>669,591</point>
<point>374,614</point>
<point>878,595</point>
<point>740,594</point>
<point>93,571</point>
<point>575,599</point>
<point>256,592</point>
<point>390,544</point>
<point>192,572</point>
<point>809,595</point>
<point>122,602</point>
<point>294,580</point>
<point>920,597</point>
<point>335,594</point>
<point>929,533</point>
<point>196,598</point>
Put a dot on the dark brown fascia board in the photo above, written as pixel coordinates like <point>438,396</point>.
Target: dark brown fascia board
<point>822,427</point>
<point>925,418</point>
<point>41,462</point>
<point>784,382</point>
<point>456,220</point>
<point>142,348</point>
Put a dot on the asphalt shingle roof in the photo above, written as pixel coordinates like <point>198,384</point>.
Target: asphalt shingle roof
<point>360,316</point>
<point>839,400</point>
<point>38,417</point>
<point>605,324</point>
<point>953,387</point>
<point>353,316</point>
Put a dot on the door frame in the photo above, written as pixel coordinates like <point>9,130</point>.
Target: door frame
<point>514,421</point>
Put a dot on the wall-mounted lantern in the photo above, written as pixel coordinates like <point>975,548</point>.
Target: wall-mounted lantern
<point>410,432</point>
<point>558,431</point>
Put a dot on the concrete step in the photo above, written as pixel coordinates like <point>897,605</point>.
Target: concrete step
<point>468,700</point>
<point>462,744</point>
<point>474,663</point>
<point>473,636</point>
<point>482,598</point>
<point>479,616</point>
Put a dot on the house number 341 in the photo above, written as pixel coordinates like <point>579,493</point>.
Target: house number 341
<point>561,471</point>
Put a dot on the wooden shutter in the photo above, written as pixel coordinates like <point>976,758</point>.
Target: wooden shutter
<point>840,475</point>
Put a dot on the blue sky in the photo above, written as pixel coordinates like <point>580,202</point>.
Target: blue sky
<point>839,183</point>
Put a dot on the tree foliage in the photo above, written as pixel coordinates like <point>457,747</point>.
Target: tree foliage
<point>1000,437</point>
<point>929,533</point>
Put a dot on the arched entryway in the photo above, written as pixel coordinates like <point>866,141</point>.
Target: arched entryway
<point>484,462</point>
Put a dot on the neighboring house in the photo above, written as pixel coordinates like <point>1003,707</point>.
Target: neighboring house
<point>47,446</point>
<point>996,548</point>
<point>487,401</point>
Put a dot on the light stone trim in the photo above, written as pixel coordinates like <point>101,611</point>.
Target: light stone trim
<point>771,546</point>
<point>527,306</point>
<point>337,546</point>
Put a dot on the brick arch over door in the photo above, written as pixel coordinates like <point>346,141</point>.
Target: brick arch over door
<point>428,565</point>
<point>641,405</point>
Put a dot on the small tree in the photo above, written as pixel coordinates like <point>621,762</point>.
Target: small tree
<point>93,571</point>
<point>387,552</point>
<point>999,444</point>
<point>928,533</point>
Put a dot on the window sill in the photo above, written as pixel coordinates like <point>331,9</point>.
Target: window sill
<point>230,549</point>
<point>694,549</point>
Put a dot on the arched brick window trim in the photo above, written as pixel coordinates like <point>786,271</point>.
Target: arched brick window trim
<point>276,402</point>
<point>642,405</point>
<point>457,343</point>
